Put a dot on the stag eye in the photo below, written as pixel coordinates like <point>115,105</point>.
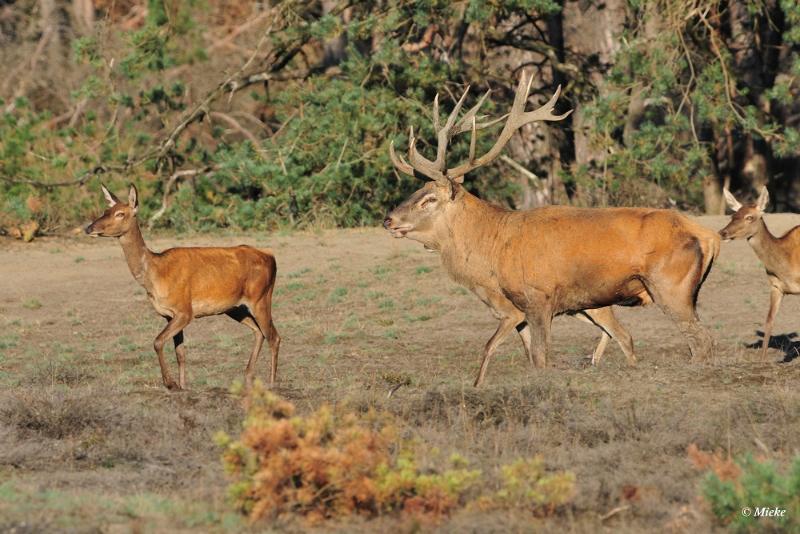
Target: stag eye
<point>119,215</point>
<point>427,201</point>
<point>749,218</point>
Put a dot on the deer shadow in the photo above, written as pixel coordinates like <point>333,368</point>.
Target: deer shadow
<point>787,343</point>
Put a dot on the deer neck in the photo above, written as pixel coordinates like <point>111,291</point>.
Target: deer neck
<point>136,253</point>
<point>767,247</point>
<point>468,237</point>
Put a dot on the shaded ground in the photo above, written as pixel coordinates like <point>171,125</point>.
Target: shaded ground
<point>90,439</point>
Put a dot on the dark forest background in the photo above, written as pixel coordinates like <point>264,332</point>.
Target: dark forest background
<point>279,114</point>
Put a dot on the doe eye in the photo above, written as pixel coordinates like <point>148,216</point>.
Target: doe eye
<point>749,217</point>
<point>119,215</point>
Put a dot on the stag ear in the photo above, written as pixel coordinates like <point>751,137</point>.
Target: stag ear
<point>451,186</point>
<point>110,197</point>
<point>763,199</point>
<point>133,198</point>
<point>731,200</point>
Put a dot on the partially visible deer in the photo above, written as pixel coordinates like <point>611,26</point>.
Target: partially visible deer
<point>189,282</point>
<point>529,266</point>
<point>780,255</point>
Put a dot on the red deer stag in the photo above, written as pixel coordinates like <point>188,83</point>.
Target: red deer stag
<point>189,282</point>
<point>529,266</point>
<point>780,255</point>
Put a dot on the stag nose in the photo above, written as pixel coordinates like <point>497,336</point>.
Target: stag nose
<point>387,222</point>
<point>723,233</point>
<point>88,229</point>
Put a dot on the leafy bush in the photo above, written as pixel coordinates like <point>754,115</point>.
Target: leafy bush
<point>323,466</point>
<point>526,484</point>
<point>739,491</point>
<point>327,465</point>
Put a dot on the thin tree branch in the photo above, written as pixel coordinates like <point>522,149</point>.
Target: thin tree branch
<point>177,175</point>
<point>233,123</point>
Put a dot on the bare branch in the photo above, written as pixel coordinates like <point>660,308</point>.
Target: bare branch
<point>422,44</point>
<point>31,66</point>
<point>233,123</point>
<point>177,175</point>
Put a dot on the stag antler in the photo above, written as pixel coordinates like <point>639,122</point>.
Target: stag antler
<point>515,119</point>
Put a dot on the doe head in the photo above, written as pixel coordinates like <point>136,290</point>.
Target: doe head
<point>118,218</point>
<point>746,220</point>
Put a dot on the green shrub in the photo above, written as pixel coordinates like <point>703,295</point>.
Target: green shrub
<point>527,485</point>
<point>750,495</point>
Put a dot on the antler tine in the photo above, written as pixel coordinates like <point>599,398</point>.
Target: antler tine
<point>451,119</point>
<point>520,95</point>
<point>472,141</point>
<point>492,122</point>
<point>444,134</point>
<point>545,113</point>
<point>431,169</point>
<point>436,113</point>
<point>464,124</point>
<point>398,161</point>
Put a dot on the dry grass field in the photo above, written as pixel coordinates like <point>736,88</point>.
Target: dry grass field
<point>91,441</point>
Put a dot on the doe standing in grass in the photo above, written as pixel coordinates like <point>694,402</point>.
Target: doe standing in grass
<point>780,255</point>
<point>188,282</point>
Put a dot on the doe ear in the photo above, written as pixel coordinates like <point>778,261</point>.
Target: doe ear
<point>133,198</point>
<point>763,199</point>
<point>111,198</point>
<point>731,200</point>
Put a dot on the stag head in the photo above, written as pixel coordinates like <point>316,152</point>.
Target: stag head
<point>746,220</point>
<point>417,217</point>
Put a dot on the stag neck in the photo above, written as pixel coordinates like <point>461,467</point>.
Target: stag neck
<point>136,252</point>
<point>467,223</point>
<point>766,246</point>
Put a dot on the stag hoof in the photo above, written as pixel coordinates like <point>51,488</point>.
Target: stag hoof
<point>172,385</point>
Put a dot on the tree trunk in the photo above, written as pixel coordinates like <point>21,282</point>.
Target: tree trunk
<point>83,11</point>
<point>591,30</point>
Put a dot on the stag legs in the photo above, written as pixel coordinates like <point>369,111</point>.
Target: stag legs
<point>539,323</point>
<point>507,324</point>
<point>510,318</point>
<point>678,304</point>
<point>775,298</point>
<point>525,335</point>
<point>611,328</point>
<point>173,329</point>
<point>604,319</point>
<point>535,329</point>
